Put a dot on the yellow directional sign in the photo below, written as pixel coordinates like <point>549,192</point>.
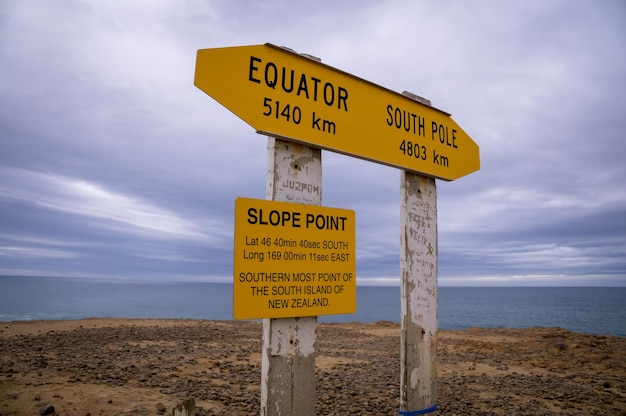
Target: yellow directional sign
<point>293,260</point>
<point>284,94</point>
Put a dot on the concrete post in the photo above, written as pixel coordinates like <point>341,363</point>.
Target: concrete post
<point>288,359</point>
<point>418,268</point>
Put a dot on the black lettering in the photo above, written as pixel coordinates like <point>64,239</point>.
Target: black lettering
<point>316,122</point>
<point>422,131</point>
<point>342,97</point>
<point>276,217</point>
<point>288,78</point>
<point>253,68</point>
<point>302,86</point>
<point>406,121</point>
<point>283,81</point>
<point>315,82</point>
<point>389,116</point>
<point>329,127</point>
<point>329,101</point>
<point>413,116</point>
<point>317,222</point>
<point>252,219</point>
<point>286,217</point>
<point>269,81</point>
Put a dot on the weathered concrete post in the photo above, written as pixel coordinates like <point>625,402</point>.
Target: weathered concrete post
<point>418,268</point>
<point>288,359</point>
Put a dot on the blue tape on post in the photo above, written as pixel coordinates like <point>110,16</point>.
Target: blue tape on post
<point>417,412</point>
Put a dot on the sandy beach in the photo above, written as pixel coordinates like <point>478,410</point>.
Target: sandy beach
<point>146,367</point>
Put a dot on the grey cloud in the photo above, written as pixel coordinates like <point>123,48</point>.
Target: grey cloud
<point>113,163</point>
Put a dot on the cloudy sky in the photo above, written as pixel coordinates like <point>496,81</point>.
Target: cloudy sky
<point>114,165</point>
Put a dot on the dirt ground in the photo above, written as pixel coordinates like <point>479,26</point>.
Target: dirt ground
<point>146,367</point>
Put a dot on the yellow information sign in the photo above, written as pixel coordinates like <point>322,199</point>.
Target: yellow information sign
<point>293,260</point>
<point>283,94</point>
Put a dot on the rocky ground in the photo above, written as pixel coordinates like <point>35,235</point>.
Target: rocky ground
<point>146,367</point>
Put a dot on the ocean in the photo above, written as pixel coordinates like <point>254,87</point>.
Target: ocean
<point>594,310</point>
